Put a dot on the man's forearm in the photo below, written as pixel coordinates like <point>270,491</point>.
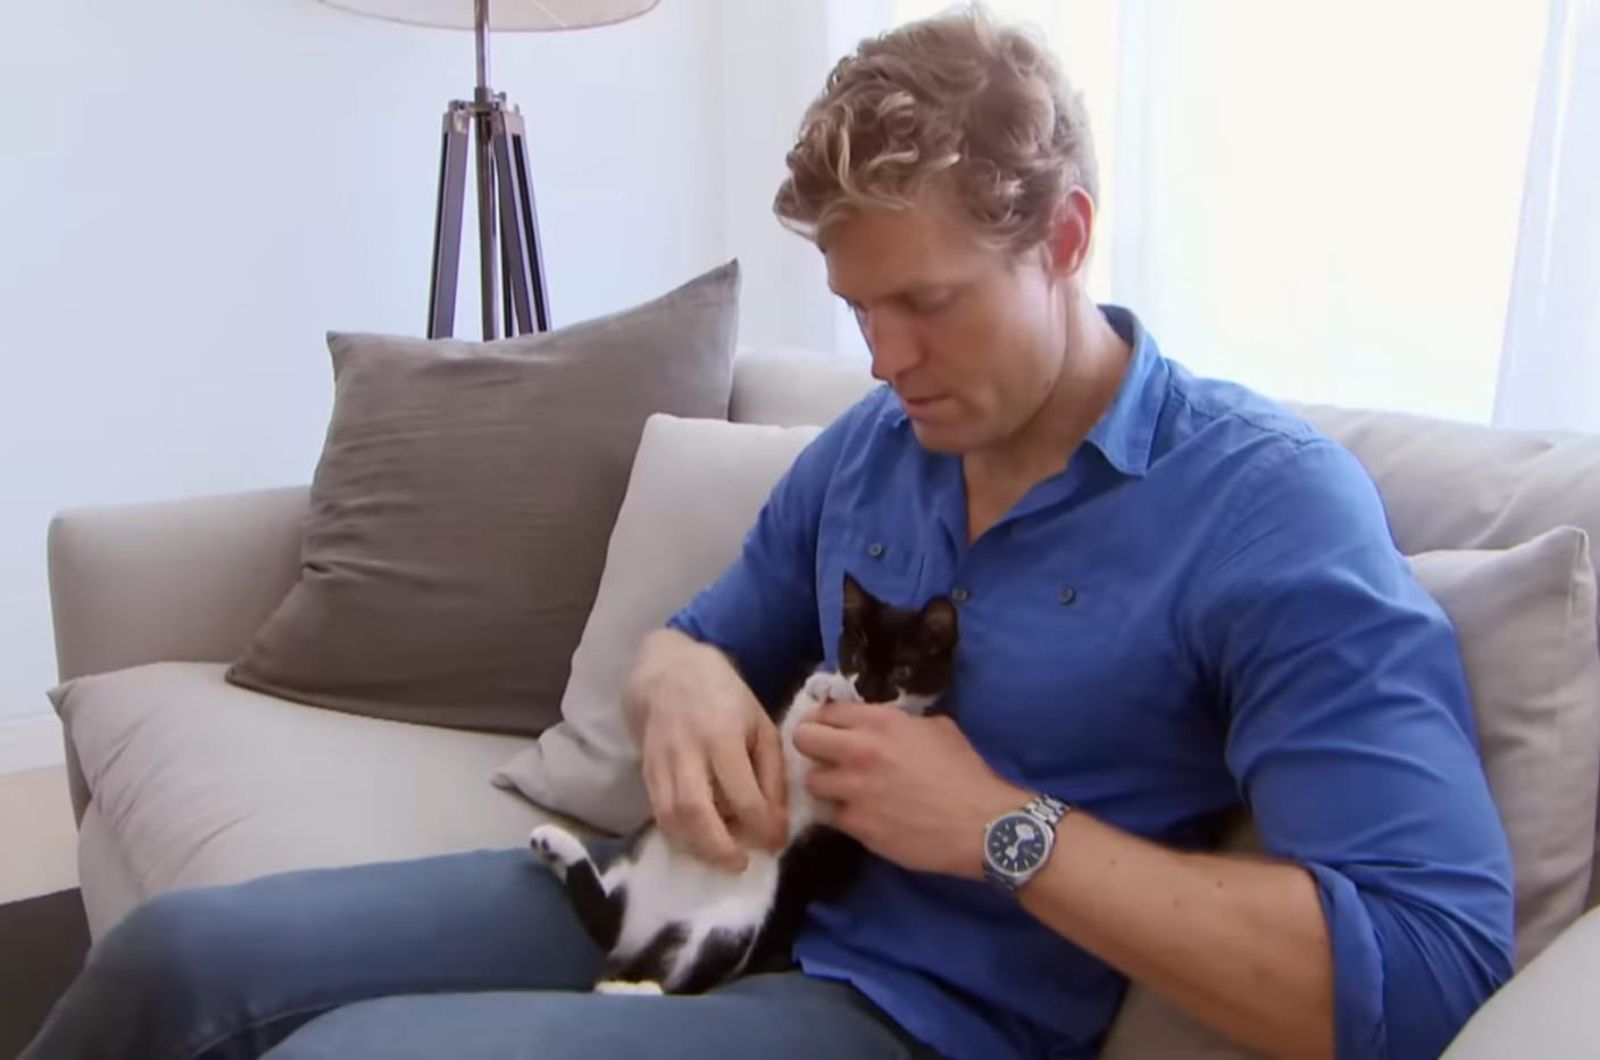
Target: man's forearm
<point>1241,944</point>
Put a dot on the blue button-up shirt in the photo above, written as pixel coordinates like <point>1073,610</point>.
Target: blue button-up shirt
<point>1204,611</point>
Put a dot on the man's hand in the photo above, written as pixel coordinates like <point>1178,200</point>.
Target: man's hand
<point>711,755</point>
<point>912,790</point>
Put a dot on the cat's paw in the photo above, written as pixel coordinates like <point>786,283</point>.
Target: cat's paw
<point>559,848</point>
<point>619,986</point>
<point>824,686</point>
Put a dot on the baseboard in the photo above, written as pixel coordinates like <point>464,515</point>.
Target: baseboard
<point>32,742</point>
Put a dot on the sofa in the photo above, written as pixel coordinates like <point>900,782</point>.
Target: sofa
<point>181,779</point>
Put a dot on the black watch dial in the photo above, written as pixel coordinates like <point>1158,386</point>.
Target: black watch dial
<point>1017,844</point>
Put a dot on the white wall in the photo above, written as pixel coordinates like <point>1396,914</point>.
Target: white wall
<point>775,60</point>
<point>192,193</point>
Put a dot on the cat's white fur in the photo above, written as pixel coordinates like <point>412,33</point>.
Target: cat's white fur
<point>669,885</point>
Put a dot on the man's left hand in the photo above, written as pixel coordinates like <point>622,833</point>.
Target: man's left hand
<point>912,790</point>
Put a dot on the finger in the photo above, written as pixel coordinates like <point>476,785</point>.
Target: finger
<point>834,785</point>
<point>694,819</point>
<point>827,744</point>
<point>735,778</point>
<point>658,785</point>
<point>841,715</point>
<point>771,775</point>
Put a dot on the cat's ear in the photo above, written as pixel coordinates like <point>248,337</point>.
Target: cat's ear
<point>858,603</point>
<point>940,627</point>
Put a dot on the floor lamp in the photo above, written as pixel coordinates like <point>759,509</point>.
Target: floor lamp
<point>509,258</point>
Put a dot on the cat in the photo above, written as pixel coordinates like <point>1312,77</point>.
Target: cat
<point>670,923</point>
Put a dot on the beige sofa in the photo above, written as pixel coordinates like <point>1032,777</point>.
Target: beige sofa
<point>180,779</point>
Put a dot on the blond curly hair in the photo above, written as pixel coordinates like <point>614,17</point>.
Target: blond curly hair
<point>959,99</point>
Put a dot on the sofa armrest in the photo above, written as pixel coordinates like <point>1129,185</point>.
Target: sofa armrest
<point>186,581</point>
<point>1547,1009</point>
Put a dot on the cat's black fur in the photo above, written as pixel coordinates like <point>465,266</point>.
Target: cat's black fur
<point>889,652</point>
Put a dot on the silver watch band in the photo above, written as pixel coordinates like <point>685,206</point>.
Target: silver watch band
<point>1047,809</point>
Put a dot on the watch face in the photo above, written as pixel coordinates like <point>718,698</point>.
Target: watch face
<point>1017,844</point>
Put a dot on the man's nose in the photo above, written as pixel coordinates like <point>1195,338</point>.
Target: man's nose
<point>893,346</point>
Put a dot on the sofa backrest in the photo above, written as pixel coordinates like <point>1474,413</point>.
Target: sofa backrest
<point>1445,485</point>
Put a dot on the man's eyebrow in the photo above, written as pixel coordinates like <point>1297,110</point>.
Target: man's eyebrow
<point>919,287</point>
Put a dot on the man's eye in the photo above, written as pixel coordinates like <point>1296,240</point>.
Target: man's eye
<point>931,301</point>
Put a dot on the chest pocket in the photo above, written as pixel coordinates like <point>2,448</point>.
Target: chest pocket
<point>890,568</point>
<point>1068,681</point>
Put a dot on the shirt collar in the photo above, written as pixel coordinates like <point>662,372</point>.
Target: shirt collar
<point>1125,435</point>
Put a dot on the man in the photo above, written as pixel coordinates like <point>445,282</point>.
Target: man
<point>1176,601</point>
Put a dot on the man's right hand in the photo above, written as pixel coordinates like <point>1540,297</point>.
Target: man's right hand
<point>713,764</point>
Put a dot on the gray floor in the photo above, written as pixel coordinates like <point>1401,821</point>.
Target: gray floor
<point>45,941</point>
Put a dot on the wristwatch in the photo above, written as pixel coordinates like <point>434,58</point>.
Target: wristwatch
<point>1017,844</point>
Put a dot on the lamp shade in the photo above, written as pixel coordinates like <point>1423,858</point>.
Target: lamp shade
<point>504,15</point>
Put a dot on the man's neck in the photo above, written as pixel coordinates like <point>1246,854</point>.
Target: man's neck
<point>1091,374</point>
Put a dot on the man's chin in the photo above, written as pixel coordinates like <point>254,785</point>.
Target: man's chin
<point>940,438</point>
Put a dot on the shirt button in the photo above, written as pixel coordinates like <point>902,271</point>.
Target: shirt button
<point>1069,597</point>
<point>875,550</point>
<point>960,595</point>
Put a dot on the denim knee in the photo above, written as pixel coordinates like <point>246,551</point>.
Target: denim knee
<point>146,988</point>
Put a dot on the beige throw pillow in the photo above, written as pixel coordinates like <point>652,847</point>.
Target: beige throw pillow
<point>696,489</point>
<point>460,511</point>
<point>1526,621</point>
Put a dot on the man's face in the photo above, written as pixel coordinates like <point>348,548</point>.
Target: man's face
<point>970,338</point>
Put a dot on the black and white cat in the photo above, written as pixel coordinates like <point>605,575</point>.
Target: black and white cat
<point>671,923</point>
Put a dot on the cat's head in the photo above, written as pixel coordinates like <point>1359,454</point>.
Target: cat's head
<point>899,655</point>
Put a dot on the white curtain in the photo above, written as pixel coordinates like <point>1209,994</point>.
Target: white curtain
<point>1319,200</point>
<point>1550,368</point>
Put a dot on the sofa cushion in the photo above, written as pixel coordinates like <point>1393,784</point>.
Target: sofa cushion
<point>460,510</point>
<point>202,782</point>
<point>696,488</point>
<point>787,387</point>
<point>108,886</point>
<point>1547,1010</point>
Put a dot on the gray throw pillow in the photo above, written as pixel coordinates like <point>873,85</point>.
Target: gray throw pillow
<point>461,509</point>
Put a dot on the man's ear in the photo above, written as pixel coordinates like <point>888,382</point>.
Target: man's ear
<point>1071,230</point>
<point>939,624</point>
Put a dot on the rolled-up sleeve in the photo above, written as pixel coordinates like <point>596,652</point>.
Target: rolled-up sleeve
<point>762,611</point>
<point>1351,738</point>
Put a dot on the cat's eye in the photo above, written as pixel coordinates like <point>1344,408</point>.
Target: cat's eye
<point>901,674</point>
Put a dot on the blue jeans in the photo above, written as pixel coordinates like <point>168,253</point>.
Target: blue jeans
<point>461,956</point>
